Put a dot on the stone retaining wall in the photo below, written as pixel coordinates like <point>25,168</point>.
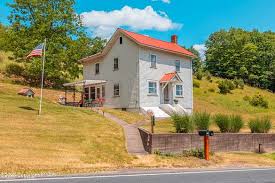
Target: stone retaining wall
<point>220,142</point>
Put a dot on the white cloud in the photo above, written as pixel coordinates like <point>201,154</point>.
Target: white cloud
<point>103,23</point>
<point>201,48</point>
<point>164,1</point>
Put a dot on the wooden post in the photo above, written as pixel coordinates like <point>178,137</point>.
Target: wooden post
<point>65,95</point>
<point>152,123</point>
<point>74,94</point>
<point>206,147</point>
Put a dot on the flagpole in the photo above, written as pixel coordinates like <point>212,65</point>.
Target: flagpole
<point>42,77</point>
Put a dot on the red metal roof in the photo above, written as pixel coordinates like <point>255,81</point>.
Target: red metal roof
<point>148,41</point>
<point>167,77</point>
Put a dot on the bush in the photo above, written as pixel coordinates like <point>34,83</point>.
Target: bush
<point>14,69</point>
<point>258,100</point>
<point>202,120</point>
<point>208,75</point>
<point>198,153</point>
<point>211,90</point>
<point>199,74</point>
<point>260,125</point>
<point>223,122</point>
<point>183,123</point>
<point>246,98</point>
<point>239,83</point>
<point>229,123</point>
<point>236,123</point>
<point>196,84</point>
<point>226,86</point>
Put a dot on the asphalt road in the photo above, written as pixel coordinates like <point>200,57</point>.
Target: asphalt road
<point>210,176</point>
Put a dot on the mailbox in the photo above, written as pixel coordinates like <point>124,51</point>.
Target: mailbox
<point>206,133</point>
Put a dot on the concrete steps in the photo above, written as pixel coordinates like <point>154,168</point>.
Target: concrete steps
<point>157,112</point>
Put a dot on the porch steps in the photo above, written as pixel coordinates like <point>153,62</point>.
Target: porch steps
<point>176,109</point>
<point>157,112</point>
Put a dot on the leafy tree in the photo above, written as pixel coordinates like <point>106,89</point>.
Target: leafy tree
<point>3,38</point>
<point>197,61</point>
<point>237,53</point>
<point>32,21</point>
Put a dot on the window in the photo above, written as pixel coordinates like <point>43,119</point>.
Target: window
<point>177,65</point>
<point>86,93</point>
<point>153,59</point>
<point>120,40</point>
<point>103,91</point>
<point>97,68</point>
<point>179,91</point>
<point>92,93</point>
<point>152,87</point>
<point>116,89</point>
<point>115,64</point>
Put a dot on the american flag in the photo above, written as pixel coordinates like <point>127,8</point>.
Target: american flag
<point>37,51</point>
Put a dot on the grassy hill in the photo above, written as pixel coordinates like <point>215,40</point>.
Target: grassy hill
<point>74,140</point>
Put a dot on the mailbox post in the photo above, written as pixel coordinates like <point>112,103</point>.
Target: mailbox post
<point>206,134</point>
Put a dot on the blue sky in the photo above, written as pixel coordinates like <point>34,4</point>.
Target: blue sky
<point>192,21</point>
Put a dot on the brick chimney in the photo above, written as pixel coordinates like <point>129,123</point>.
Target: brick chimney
<point>174,39</point>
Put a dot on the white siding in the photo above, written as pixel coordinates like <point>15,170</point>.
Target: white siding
<point>126,76</point>
<point>165,64</point>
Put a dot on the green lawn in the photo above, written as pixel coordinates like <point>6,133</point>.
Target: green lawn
<point>62,139</point>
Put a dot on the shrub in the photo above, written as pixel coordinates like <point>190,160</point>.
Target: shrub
<point>211,90</point>
<point>198,153</point>
<point>208,75</point>
<point>260,125</point>
<point>246,98</point>
<point>202,120</point>
<point>196,84</point>
<point>236,123</point>
<point>183,123</point>
<point>223,122</point>
<point>14,69</point>
<point>199,74</point>
<point>226,86</point>
<point>258,100</point>
<point>239,83</point>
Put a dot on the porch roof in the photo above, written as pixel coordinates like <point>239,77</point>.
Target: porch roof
<point>169,77</point>
<point>85,82</point>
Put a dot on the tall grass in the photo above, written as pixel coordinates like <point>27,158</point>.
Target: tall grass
<point>202,120</point>
<point>236,123</point>
<point>223,122</point>
<point>260,125</point>
<point>183,123</point>
<point>229,123</point>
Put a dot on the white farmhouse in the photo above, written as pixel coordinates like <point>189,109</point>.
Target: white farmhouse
<point>135,71</point>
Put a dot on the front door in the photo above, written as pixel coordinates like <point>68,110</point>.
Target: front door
<point>166,95</point>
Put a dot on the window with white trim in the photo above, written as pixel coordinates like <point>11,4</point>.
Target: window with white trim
<point>177,65</point>
<point>97,68</point>
<point>115,64</point>
<point>116,89</point>
<point>153,60</point>
<point>152,88</point>
<point>179,90</point>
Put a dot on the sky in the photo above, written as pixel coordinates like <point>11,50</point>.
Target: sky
<point>192,21</point>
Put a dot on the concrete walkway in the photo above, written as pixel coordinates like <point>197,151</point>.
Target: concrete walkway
<point>132,137</point>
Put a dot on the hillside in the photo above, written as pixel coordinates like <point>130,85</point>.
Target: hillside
<point>205,99</point>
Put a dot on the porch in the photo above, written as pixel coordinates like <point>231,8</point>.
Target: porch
<point>92,93</point>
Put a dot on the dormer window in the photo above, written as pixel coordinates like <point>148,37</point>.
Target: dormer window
<point>153,60</point>
<point>177,65</point>
<point>97,68</point>
<point>120,40</point>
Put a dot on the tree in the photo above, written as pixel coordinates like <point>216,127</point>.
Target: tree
<point>197,61</point>
<point>237,53</point>
<point>3,38</point>
<point>32,21</point>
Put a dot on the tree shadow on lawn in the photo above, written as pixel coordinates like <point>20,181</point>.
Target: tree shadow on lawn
<point>27,108</point>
